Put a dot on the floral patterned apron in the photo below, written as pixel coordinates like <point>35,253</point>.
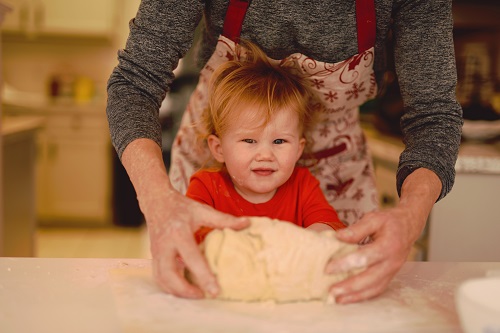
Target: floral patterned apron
<point>340,158</point>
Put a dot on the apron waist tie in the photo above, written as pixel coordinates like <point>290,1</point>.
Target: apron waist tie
<point>312,159</point>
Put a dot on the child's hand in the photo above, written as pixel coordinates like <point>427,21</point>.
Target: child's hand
<point>318,227</point>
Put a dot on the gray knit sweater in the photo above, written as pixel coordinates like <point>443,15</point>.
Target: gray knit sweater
<point>162,32</point>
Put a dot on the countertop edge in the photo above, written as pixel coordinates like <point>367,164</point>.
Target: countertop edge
<point>16,125</point>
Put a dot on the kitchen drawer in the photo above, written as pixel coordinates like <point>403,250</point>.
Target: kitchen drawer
<point>77,125</point>
<point>77,120</point>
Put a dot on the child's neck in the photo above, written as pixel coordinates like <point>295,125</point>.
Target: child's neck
<point>256,198</point>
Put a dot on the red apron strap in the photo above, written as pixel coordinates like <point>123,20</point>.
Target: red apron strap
<point>234,19</point>
<point>366,22</point>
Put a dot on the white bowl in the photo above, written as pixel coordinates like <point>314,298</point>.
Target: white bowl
<point>478,305</point>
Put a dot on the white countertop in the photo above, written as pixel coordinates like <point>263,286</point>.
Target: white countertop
<point>118,295</point>
<point>475,157</point>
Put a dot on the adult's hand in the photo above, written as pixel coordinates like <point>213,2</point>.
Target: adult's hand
<point>393,232</point>
<point>172,220</point>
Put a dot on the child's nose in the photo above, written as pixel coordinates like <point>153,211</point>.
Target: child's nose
<point>265,153</point>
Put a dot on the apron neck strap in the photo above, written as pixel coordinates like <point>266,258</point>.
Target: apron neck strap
<point>234,19</point>
<point>366,22</point>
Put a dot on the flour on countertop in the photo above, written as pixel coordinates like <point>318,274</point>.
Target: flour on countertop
<point>142,307</point>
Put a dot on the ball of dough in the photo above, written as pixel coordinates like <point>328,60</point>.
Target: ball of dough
<point>273,260</point>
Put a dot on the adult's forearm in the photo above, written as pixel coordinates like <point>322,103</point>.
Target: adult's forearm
<point>144,164</point>
<point>419,192</point>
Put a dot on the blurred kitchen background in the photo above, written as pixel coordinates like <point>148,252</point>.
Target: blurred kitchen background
<point>65,193</point>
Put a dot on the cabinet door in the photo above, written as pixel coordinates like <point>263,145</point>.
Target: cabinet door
<point>464,226</point>
<point>18,195</point>
<point>79,17</point>
<point>74,182</point>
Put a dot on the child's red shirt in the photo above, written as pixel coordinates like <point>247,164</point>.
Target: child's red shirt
<point>299,200</point>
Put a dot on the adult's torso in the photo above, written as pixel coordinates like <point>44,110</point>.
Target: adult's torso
<point>323,30</point>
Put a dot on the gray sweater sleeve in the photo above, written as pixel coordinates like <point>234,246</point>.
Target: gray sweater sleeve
<point>425,65</point>
<point>142,78</point>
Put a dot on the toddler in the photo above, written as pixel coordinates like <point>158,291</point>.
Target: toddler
<point>257,119</point>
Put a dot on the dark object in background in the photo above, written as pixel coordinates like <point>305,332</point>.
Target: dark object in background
<point>389,106</point>
<point>126,211</point>
<point>477,109</point>
<point>389,103</point>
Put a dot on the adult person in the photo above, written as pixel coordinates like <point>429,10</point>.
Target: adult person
<point>346,40</point>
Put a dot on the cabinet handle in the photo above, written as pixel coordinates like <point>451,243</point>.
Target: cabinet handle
<point>52,151</point>
<point>39,18</point>
<point>77,122</point>
<point>388,200</point>
<point>24,16</point>
<point>38,151</point>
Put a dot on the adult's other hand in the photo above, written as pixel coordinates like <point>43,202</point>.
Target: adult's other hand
<point>392,232</point>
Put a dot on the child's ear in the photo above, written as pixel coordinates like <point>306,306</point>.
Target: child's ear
<point>215,147</point>
<point>302,145</point>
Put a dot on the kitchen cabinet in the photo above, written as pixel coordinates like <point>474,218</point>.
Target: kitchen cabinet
<point>74,169</point>
<point>465,225</point>
<point>73,166</point>
<point>52,18</point>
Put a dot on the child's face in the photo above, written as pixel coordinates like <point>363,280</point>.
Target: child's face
<point>260,159</point>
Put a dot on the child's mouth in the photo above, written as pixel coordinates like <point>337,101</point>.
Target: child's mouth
<point>263,172</point>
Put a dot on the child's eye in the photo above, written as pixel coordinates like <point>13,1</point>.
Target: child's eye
<point>249,140</point>
<point>279,141</point>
